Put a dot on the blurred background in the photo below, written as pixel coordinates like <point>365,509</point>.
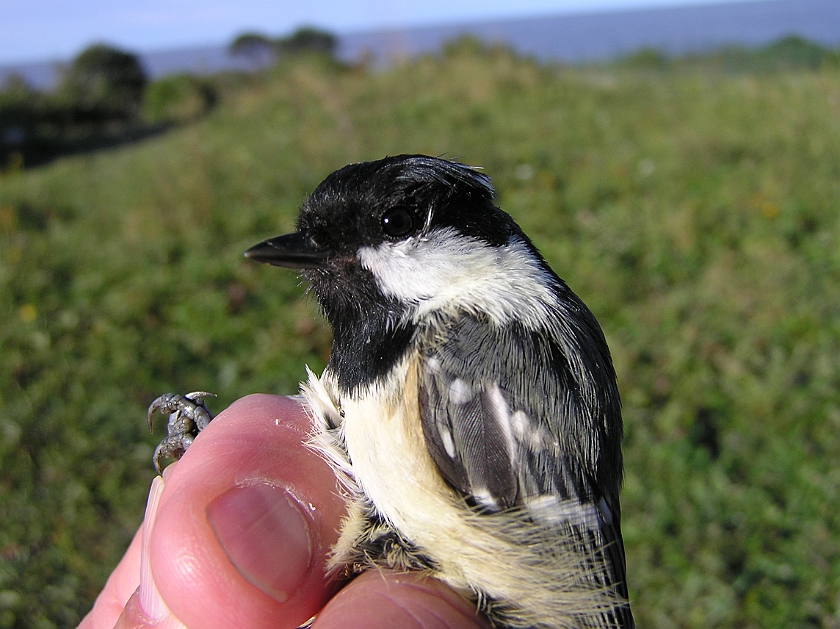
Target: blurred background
<point>677,163</point>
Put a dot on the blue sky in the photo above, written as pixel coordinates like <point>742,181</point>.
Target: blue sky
<point>38,30</point>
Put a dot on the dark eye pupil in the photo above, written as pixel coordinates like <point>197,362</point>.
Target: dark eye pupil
<point>398,222</point>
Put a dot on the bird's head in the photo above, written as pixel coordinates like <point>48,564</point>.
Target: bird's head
<point>397,235</point>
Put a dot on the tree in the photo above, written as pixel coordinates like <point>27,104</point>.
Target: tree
<point>16,84</point>
<point>20,110</point>
<point>257,48</point>
<point>104,83</point>
<point>308,39</point>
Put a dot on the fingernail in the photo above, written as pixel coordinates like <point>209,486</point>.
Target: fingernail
<point>150,601</point>
<point>265,535</point>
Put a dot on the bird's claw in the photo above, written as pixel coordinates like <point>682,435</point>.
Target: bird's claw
<point>188,416</point>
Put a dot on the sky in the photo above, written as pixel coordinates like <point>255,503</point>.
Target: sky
<point>41,30</point>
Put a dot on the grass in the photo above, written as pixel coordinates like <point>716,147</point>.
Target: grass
<point>695,211</point>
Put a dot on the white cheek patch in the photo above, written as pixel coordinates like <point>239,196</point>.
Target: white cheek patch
<point>444,269</point>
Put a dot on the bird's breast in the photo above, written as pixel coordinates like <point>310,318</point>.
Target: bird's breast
<point>391,463</point>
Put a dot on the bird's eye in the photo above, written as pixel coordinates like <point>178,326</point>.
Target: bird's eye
<point>398,222</point>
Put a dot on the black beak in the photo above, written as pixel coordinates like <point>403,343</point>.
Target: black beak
<point>293,251</point>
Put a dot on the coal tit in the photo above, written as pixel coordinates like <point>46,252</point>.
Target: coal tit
<point>470,404</point>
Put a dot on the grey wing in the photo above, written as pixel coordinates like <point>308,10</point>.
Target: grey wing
<point>495,403</point>
<point>468,436</point>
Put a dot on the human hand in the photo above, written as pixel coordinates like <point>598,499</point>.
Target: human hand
<point>237,534</point>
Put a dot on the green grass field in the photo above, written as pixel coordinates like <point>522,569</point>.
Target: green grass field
<point>695,211</point>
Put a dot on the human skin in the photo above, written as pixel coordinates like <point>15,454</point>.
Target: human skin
<point>238,532</point>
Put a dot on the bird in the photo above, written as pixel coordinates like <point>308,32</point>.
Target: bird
<point>469,405</point>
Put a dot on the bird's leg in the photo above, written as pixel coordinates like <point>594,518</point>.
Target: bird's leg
<point>187,417</point>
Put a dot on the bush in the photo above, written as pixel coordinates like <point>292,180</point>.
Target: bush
<point>179,98</point>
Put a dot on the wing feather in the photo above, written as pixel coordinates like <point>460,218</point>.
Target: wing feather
<point>501,411</point>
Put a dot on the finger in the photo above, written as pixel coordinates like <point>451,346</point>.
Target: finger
<point>386,600</point>
<point>145,609</point>
<point>118,603</point>
<point>134,617</point>
<point>246,521</point>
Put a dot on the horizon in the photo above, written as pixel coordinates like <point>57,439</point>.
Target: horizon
<point>157,29</point>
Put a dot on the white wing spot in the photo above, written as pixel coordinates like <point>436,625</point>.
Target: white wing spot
<point>499,403</point>
<point>484,498</point>
<point>502,414</point>
<point>542,506</point>
<point>433,364</point>
<point>552,510</point>
<point>448,444</point>
<point>538,440</point>
<point>520,424</point>
<point>460,392</point>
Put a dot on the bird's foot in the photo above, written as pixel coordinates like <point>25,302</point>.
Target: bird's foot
<point>187,417</point>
